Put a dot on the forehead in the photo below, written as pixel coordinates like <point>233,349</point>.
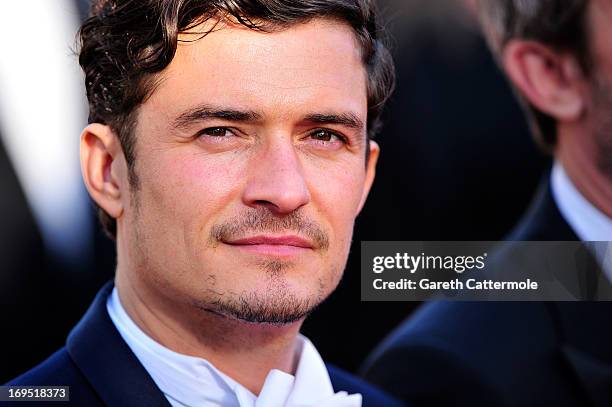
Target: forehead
<point>314,62</point>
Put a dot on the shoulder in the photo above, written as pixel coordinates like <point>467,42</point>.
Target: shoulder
<point>59,370</point>
<point>472,330</point>
<point>459,324</point>
<point>449,348</point>
<point>372,396</point>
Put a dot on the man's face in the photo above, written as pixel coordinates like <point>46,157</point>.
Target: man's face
<point>250,156</point>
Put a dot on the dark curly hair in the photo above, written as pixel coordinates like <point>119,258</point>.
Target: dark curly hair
<point>124,43</point>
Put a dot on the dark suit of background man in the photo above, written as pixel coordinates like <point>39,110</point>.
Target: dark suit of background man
<point>229,153</point>
<point>557,55</point>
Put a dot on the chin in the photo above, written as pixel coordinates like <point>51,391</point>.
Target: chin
<point>272,306</point>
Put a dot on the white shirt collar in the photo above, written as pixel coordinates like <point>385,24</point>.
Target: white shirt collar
<point>588,222</point>
<point>192,381</point>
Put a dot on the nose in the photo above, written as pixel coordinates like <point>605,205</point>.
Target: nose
<point>277,181</point>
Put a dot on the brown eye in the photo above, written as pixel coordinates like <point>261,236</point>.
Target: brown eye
<point>324,135</point>
<point>215,132</point>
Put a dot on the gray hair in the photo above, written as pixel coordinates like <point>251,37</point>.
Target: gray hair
<point>559,24</point>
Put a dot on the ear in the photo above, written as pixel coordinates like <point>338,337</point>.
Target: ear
<point>370,172</point>
<point>104,168</point>
<point>549,80</point>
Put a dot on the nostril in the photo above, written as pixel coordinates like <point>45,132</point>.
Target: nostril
<point>266,204</point>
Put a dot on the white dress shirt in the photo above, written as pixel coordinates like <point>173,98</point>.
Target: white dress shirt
<point>588,222</point>
<point>192,381</point>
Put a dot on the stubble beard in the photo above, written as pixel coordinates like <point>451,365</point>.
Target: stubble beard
<point>275,305</point>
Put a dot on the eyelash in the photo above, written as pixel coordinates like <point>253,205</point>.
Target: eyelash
<point>203,132</point>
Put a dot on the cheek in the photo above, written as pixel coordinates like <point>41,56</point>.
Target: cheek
<point>337,193</point>
<point>188,190</point>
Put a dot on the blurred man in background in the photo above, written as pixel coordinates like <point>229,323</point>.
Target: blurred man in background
<point>556,54</point>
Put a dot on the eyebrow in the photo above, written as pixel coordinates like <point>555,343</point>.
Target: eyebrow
<point>204,112</point>
<point>347,119</point>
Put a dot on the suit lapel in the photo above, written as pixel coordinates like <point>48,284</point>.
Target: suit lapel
<point>107,362</point>
<point>584,335</point>
<point>543,220</point>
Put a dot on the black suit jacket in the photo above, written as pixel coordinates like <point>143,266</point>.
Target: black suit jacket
<point>101,369</point>
<point>502,353</point>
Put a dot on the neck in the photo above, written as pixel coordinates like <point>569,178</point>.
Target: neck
<point>244,351</point>
<point>578,154</point>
